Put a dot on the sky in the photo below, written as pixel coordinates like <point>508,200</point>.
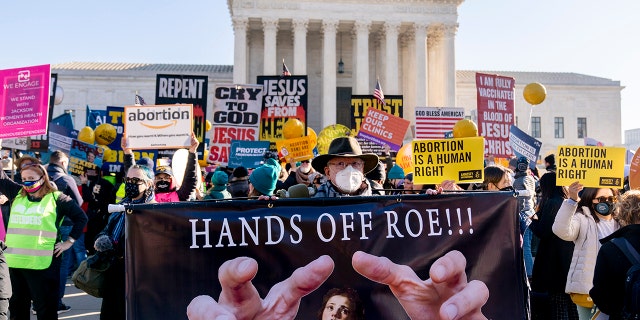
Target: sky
<point>592,37</point>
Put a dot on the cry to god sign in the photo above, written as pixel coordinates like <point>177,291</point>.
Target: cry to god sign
<point>597,167</point>
<point>158,127</point>
<point>461,160</point>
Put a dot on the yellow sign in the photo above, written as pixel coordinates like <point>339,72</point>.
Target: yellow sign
<point>597,167</point>
<point>297,149</point>
<point>461,160</point>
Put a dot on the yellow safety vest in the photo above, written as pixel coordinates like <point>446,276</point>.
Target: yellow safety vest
<point>32,232</point>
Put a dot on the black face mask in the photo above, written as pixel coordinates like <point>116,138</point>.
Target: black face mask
<point>163,186</point>
<point>603,208</point>
<point>131,190</point>
<point>509,188</point>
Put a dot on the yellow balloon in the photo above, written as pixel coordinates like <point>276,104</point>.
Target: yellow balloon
<point>404,158</point>
<point>203,163</point>
<point>329,133</point>
<point>87,135</point>
<point>465,128</point>
<point>208,125</point>
<point>293,128</point>
<point>109,155</point>
<point>534,93</point>
<point>314,137</point>
<point>105,133</point>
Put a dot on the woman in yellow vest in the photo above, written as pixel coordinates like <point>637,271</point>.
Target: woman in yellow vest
<point>33,242</point>
<point>138,186</point>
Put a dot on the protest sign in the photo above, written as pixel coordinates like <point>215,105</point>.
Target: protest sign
<point>61,137</point>
<point>84,157</point>
<point>297,149</point>
<point>495,112</point>
<point>383,128</point>
<point>359,106</point>
<point>186,89</point>
<point>248,154</point>
<point>634,171</point>
<point>16,143</point>
<point>283,98</point>
<point>158,127</point>
<point>289,233</point>
<point>435,123</point>
<point>24,101</point>
<point>461,160</point>
<point>524,145</point>
<point>597,167</point>
<point>236,116</point>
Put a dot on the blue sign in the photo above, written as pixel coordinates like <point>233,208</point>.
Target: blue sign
<point>524,145</point>
<point>248,154</point>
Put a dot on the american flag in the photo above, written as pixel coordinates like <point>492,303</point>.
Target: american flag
<point>285,70</point>
<point>377,92</point>
<point>139,100</point>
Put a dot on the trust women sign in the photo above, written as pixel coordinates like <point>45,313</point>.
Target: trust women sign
<point>24,101</point>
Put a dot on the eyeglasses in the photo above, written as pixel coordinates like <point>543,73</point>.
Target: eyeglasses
<point>137,181</point>
<point>342,164</point>
<point>606,199</point>
<point>304,161</point>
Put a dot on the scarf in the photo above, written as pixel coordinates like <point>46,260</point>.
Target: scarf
<point>302,177</point>
<point>119,228</point>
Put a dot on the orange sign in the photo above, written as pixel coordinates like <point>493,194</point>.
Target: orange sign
<point>383,128</point>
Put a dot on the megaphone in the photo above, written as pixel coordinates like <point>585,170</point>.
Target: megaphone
<point>297,191</point>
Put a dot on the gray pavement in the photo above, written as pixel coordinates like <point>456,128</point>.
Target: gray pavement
<point>83,306</point>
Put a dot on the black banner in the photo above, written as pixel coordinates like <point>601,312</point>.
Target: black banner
<point>174,250</point>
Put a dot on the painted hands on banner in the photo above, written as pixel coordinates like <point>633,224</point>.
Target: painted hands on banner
<point>446,295</point>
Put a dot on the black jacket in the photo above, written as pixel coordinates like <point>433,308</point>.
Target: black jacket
<point>554,254</point>
<point>611,270</point>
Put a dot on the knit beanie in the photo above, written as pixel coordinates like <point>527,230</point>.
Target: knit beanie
<point>219,178</point>
<point>396,172</point>
<point>240,172</point>
<point>146,161</point>
<point>264,177</point>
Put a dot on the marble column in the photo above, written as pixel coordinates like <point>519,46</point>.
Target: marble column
<point>448,64</point>
<point>420,64</point>
<point>270,28</point>
<point>434,74</point>
<point>329,28</point>
<point>391,29</point>
<point>362,66</point>
<point>240,50</point>
<point>300,46</point>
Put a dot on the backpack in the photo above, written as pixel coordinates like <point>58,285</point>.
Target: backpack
<point>631,309</point>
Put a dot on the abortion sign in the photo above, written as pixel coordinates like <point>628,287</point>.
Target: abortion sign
<point>24,101</point>
<point>495,112</point>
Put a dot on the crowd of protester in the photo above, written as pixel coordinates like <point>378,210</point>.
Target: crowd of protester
<point>562,228</point>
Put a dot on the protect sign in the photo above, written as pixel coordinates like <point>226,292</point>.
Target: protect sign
<point>383,128</point>
<point>297,149</point>
<point>158,127</point>
<point>597,167</point>
<point>461,160</point>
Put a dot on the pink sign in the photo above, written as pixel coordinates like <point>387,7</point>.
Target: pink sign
<point>24,101</point>
<point>495,113</point>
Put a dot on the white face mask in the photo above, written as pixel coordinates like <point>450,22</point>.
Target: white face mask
<point>349,180</point>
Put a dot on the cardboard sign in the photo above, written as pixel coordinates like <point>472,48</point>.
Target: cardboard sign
<point>495,112</point>
<point>597,167</point>
<point>283,98</point>
<point>461,160</point>
<point>158,127</point>
<point>24,101</point>
<point>634,171</point>
<point>297,149</point>
<point>383,128</point>
<point>248,154</point>
<point>236,116</point>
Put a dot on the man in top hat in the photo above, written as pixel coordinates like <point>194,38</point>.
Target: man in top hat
<point>345,167</point>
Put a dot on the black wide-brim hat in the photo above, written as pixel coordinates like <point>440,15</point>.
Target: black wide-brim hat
<point>347,147</point>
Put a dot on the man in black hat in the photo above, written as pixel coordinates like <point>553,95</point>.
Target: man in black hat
<point>345,167</point>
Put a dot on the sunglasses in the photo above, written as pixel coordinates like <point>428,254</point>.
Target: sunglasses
<point>137,181</point>
<point>606,199</point>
